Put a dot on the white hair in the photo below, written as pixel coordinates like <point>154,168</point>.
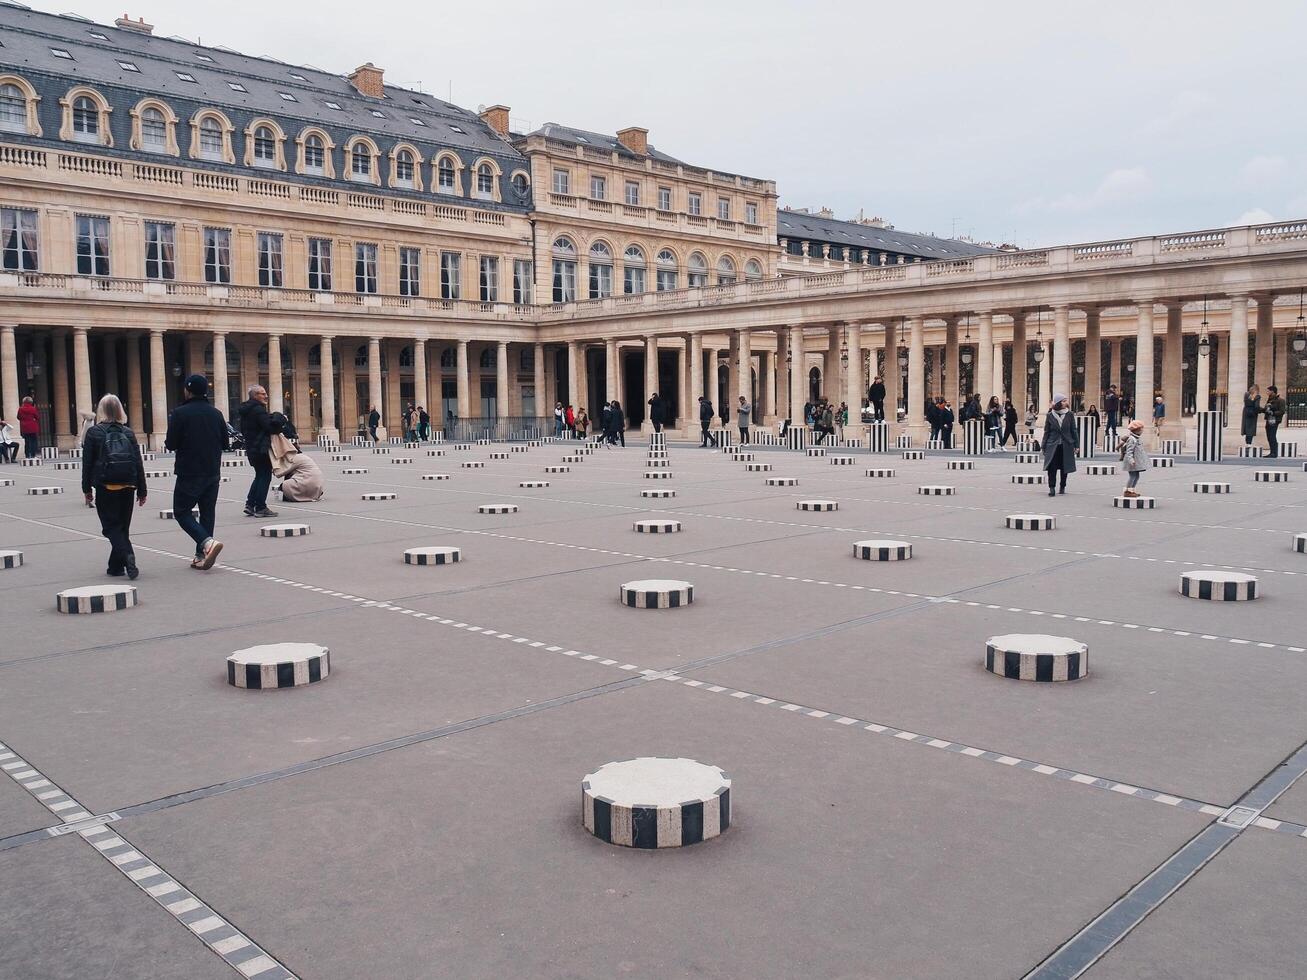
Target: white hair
<point>249,392</point>
<point>110,409</point>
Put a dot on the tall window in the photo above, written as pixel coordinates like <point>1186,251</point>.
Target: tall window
<point>13,109</point>
<point>522,281</point>
<point>633,193</point>
<point>320,264</point>
<point>211,139</point>
<point>18,240</point>
<point>694,203</point>
<point>666,270</point>
<point>752,269</point>
<point>724,208</point>
<point>697,274</point>
<point>601,271</point>
<point>451,275</point>
<point>564,270</point>
<point>489,279</point>
<point>410,272</point>
<point>270,261</point>
<point>633,270</point>
<point>598,188</point>
<point>360,166</point>
<point>485,182</point>
<point>750,213</point>
<point>92,246</point>
<point>446,176</point>
<point>315,155</point>
<point>664,199</point>
<point>365,267</point>
<point>217,255</point>
<point>265,148</point>
<point>562,182</point>
<point>404,168</point>
<point>154,130</point>
<point>725,270</point>
<point>160,251</point>
<point>86,120</point>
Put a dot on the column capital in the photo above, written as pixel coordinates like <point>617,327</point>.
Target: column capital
<point>1146,303</point>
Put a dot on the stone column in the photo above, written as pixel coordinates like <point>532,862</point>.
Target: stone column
<point>543,409</point>
<point>158,388</point>
<point>1202,398</point>
<point>1223,364</point>
<point>782,369</point>
<point>732,371</point>
<point>349,389</point>
<point>59,379</point>
<point>1172,374</point>
<point>1264,355</point>
<point>798,374</point>
<point>1237,372</point>
<point>1045,369</point>
<point>1061,351</point>
<point>985,361</point>
<point>1019,392</point>
<point>830,366</point>
<point>327,388</point>
<point>891,376</point>
<point>650,377</point>
<point>194,354</point>
<point>1144,362</point>
<point>682,383</point>
<point>745,346</point>
<point>916,417</point>
<point>421,396</point>
<point>218,388</point>
<point>276,396</point>
<point>394,403</point>
<point>462,382</point>
<point>300,404</point>
<point>109,360</point>
<point>83,398</point>
<point>9,374</point>
<point>696,377</point>
<point>1114,375</point>
<point>996,381</point>
<point>951,385</point>
<point>1282,362</point>
<point>854,389</point>
<point>375,396</point>
<point>573,370</point>
<point>765,410</point>
<point>501,384</point>
<point>611,366</point>
<point>1093,359</point>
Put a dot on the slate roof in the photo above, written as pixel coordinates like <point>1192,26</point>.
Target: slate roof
<point>790,224</point>
<point>601,141</point>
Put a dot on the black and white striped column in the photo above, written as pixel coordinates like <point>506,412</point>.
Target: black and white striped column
<point>1211,486</point>
<point>1208,444</point>
<point>1088,432</point>
<point>1030,522</point>
<point>382,495</point>
<point>11,559</point>
<point>96,599</point>
<point>878,437</point>
<point>436,555</point>
<point>283,530</point>
<point>1271,476</point>
<point>1036,657</point>
<point>973,437</point>
<point>882,550</point>
<point>656,803</point>
<point>656,526</point>
<point>278,665</point>
<point>1218,586</point>
<point>796,437</point>
<point>656,593</point>
<point>818,505</point>
<point>497,508</point>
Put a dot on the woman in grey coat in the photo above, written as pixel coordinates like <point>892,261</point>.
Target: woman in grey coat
<point>1061,438</point>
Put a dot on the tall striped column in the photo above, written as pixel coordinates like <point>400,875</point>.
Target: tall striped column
<point>878,437</point>
<point>1208,448</point>
<point>1088,426</point>
<point>973,437</point>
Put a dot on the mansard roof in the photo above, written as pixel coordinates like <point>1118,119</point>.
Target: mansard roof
<point>795,224</point>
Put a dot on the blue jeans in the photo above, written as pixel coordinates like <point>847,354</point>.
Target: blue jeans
<point>188,492</point>
<point>257,498</point>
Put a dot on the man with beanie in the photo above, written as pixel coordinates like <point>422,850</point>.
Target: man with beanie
<point>257,428</point>
<point>197,433</point>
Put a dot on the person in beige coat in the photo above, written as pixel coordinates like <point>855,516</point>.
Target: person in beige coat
<point>301,477</point>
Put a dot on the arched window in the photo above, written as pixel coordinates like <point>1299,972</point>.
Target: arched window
<point>265,148</point>
<point>154,130</point>
<point>406,357</point>
<point>633,280</point>
<point>86,120</point>
<point>485,181</point>
<point>487,359</point>
<point>601,270</point>
<point>447,358</point>
<point>698,271</point>
<point>13,108</point>
<point>404,168</point>
<point>447,174</point>
<point>666,272</point>
<point>521,183</point>
<point>564,245</point>
<point>752,269</point>
<point>564,269</point>
<point>725,270</point>
<point>360,162</point>
<point>212,139</point>
<point>315,155</point>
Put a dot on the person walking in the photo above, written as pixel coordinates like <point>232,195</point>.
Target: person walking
<point>1010,420</point>
<point>558,420</point>
<point>197,434</point>
<point>113,476</point>
<point>569,420</point>
<point>374,420</point>
<point>1031,418</point>
<point>1159,417</point>
<point>424,423</point>
<point>1061,439</point>
<point>705,423</point>
<point>257,428</point>
<point>29,427</point>
<point>1134,458</point>
<point>876,395</point>
<point>1275,409</point>
<point>617,423</point>
<point>1112,405</point>
<point>1252,407</point>
<point>8,442</point>
<point>825,423</point>
<point>582,423</point>
<point>742,414</point>
<point>946,423</point>
<point>656,412</point>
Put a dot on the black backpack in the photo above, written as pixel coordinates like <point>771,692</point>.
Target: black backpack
<point>118,461</point>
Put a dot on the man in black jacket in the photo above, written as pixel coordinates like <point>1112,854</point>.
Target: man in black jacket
<point>705,422</point>
<point>197,433</point>
<point>876,395</point>
<point>656,414</point>
<point>257,428</point>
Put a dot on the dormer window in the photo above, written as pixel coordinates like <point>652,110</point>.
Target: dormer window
<point>13,109</point>
<point>154,130</point>
<point>334,105</point>
<point>187,77</point>
<point>128,66</point>
<point>265,148</point>
<point>237,87</point>
<point>360,162</point>
<point>211,139</point>
<point>287,97</point>
<point>315,156</point>
<point>404,168</point>
<point>86,120</point>
<point>457,130</point>
<point>61,53</point>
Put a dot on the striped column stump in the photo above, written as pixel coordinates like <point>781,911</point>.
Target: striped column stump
<point>796,437</point>
<point>284,530</point>
<point>558,469</point>
<point>401,460</point>
<point>1163,462</point>
<point>1299,545</point>
<point>568,459</point>
<point>584,450</point>
<point>66,464</point>
<point>436,452</point>
<point>656,527</point>
<point>1025,444</point>
<point>657,474</point>
<point>96,599</point>
<point>742,457</point>
<point>30,461</point>
<point>1026,459</point>
<point>842,460</point>
<point>653,803</point>
<point>657,438</point>
<point>877,549</point>
<point>1304,467</point>
<point>1271,476</point>
<point>49,452</point>
<point>435,476</point>
<point>534,443</point>
<point>757,467</point>
<point>499,455</point>
<point>1211,487</point>
<point>361,440</point>
<point>224,479</point>
<point>880,473</point>
<point>354,471</point>
<point>156,474</point>
<point>903,442</point>
<point>936,444</point>
<point>1218,586</point>
<point>1036,657</point>
<point>656,593</point>
<point>1250,452</point>
<point>1100,469</point>
<point>1210,429</point>
<point>462,446</point>
<point>878,437</point>
<point>657,463</point>
<point>658,454</point>
<point>432,556</point>
<point>484,442</point>
<point>43,491</point>
<point>657,492</point>
<point>473,464</point>
<point>147,457</point>
<point>6,482</point>
<point>231,463</point>
<point>381,450</point>
<point>167,513</point>
<point>74,454</point>
<point>277,665</point>
<point>1288,448</point>
<point>534,484</point>
<point>973,437</point>
<point>342,457</point>
<point>1027,479</point>
<point>379,496</point>
<point>1170,447</point>
<point>1134,503</point>
<point>936,491</point>
<point>914,454</point>
<point>962,464</point>
<point>818,505</point>
<point>852,444</point>
<point>14,559</point>
<point>781,481</point>
<point>1030,522</point>
<point>497,508</point>
<point>1087,430</point>
<point>816,451</point>
<point>519,449</point>
<point>396,440</point>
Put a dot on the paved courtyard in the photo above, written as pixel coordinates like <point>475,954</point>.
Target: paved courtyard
<point>897,810</point>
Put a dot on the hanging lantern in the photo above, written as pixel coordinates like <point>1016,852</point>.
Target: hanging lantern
<point>1039,336</point>
<point>1300,337</point>
<point>1204,341</point>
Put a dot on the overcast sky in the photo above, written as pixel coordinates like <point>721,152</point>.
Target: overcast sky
<point>1029,122</point>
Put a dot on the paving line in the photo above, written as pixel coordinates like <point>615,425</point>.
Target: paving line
<point>237,950</point>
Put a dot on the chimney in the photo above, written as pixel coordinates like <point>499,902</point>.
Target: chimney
<point>634,139</point>
<point>368,80</point>
<point>496,117</point>
<point>139,25</point>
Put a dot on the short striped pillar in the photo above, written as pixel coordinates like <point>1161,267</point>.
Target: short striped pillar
<point>1030,522</point>
<point>1271,476</point>
<point>278,665</point>
<point>1299,544</point>
<point>1023,459</point>
<point>1218,586</point>
<point>878,437</point>
<point>1211,487</point>
<point>816,451</point>
<point>882,550</point>
<point>382,495</point>
<point>1207,448</point>
<point>1163,462</point>
<point>14,559</point>
<point>1170,447</point>
<point>1036,657</point>
<point>903,442</point>
<point>657,440</point>
<point>724,437</point>
<point>96,599</point>
<point>49,452</point>
<point>973,437</point>
<point>1088,432</point>
<point>497,508</point>
<point>1101,469</point>
<point>438,555</point>
<point>796,437</point>
<point>656,803</point>
<point>1250,452</point>
<point>1288,449</point>
<point>656,526</point>
<point>656,593</point>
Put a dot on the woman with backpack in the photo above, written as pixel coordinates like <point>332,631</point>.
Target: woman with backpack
<point>112,475</point>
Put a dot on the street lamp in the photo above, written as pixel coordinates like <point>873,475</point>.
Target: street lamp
<point>1039,336</point>
<point>1300,337</point>
<point>965,356</point>
<point>1204,341</point>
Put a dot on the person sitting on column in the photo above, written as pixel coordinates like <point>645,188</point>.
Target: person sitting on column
<point>876,395</point>
<point>1061,439</point>
<point>1112,405</point>
<point>8,442</point>
<point>743,412</point>
<point>257,428</point>
<point>706,414</point>
<point>1275,409</point>
<point>656,412</point>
